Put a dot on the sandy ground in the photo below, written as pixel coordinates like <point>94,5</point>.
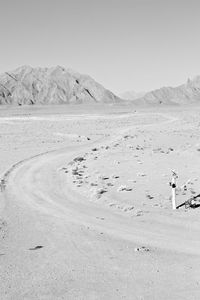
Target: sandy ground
<point>85,207</point>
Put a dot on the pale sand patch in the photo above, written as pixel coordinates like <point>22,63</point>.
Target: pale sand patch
<point>58,242</point>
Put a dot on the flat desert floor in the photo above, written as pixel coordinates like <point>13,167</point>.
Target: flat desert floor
<point>85,203</point>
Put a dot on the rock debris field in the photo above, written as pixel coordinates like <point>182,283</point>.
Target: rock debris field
<point>85,202</point>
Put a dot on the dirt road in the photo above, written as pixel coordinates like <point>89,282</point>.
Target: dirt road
<point>57,244</point>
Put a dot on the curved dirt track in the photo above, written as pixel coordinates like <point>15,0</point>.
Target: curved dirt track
<point>85,250</point>
<point>38,185</point>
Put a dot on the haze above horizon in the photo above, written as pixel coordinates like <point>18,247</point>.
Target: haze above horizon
<point>123,44</point>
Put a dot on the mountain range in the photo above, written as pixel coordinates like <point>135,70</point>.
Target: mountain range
<point>187,93</point>
<point>131,95</point>
<point>57,85</point>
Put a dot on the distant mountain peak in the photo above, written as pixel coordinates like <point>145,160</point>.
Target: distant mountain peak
<point>187,93</point>
<point>56,85</point>
<point>131,95</point>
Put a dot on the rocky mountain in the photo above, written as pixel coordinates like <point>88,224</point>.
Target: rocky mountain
<point>183,94</point>
<point>27,85</point>
<point>131,95</point>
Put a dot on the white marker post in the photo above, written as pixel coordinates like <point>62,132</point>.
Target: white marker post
<point>173,185</point>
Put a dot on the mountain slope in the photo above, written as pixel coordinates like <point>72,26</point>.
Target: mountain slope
<point>27,85</point>
<point>131,95</point>
<point>183,94</point>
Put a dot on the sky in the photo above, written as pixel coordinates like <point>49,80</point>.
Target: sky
<point>125,45</point>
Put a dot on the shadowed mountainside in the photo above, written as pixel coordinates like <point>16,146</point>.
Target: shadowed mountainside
<point>27,85</point>
<point>183,94</point>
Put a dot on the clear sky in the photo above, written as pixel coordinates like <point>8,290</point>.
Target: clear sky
<point>123,44</point>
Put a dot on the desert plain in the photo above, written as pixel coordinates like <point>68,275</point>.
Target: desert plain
<point>85,202</point>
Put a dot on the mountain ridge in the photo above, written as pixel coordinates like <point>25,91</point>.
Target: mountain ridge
<point>131,95</point>
<point>187,93</point>
<point>57,85</point>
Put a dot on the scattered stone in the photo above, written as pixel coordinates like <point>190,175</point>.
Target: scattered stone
<point>141,174</point>
<point>74,172</point>
<point>3,224</point>
<point>100,218</point>
<point>184,187</point>
<point>149,196</point>
<point>80,182</point>
<point>189,182</point>
<point>119,206</point>
<point>104,178</point>
<point>142,249</point>
<point>132,180</point>
<point>81,171</point>
<point>93,184</point>
<point>110,184</point>
<point>36,248</point>
<point>2,185</point>
<point>157,150</point>
<point>138,213</point>
<point>128,208</point>
<point>98,193</point>
<point>192,192</point>
<point>112,204</point>
<point>79,159</point>
<point>123,188</point>
<point>139,148</point>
